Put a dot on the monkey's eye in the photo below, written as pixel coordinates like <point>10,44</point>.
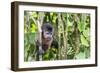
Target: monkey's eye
<point>48,33</point>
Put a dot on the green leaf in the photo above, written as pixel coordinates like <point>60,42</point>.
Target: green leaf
<point>32,37</point>
<point>46,56</point>
<point>81,26</point>
<point>86,32</point>
<point>87,50</point>
<point>69,23</point>
<point>51,13</point>
<point>84,41</point>
<point>54,18</point>
<point>81,55</point>
<point>34,14</point>
<point>25,30</point>
<point>33,28</point>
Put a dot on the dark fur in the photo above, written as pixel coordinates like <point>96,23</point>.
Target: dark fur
<point>47,38</point>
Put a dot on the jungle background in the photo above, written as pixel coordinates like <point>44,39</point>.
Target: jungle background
<point>71,32</point>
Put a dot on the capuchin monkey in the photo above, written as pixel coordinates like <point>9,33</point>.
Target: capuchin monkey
<point>47,38</point>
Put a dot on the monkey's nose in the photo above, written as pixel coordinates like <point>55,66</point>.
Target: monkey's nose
<point>48,39</point>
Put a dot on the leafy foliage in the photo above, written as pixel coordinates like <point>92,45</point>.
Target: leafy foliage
<point>71,32</point>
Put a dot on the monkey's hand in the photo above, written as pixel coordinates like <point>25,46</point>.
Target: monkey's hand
<point>38,43</point>
<point>41,51</point>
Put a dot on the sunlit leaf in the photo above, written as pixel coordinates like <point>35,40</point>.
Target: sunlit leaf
<point>33,28</point>
<point>34,14</point>
<point>54,18</point>
<point>25,30</point>
<point>81,26</point>
<point>84,41</point>
<point>86,32</point>
<point>46,56</point>
<point>51,13</point>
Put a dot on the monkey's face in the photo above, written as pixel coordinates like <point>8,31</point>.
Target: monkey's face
<point>48,37</point>
<point>47,33</point>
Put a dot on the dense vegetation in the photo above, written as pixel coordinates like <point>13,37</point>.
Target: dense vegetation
<point>71,32</point>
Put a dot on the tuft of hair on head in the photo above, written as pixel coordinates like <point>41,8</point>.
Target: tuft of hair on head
<point>47,26</point>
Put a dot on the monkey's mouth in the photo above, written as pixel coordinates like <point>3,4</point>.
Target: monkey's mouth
<point>48,39</point>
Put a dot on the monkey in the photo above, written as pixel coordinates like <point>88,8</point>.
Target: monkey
<point>47,36</point>
<point>47,39</point>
